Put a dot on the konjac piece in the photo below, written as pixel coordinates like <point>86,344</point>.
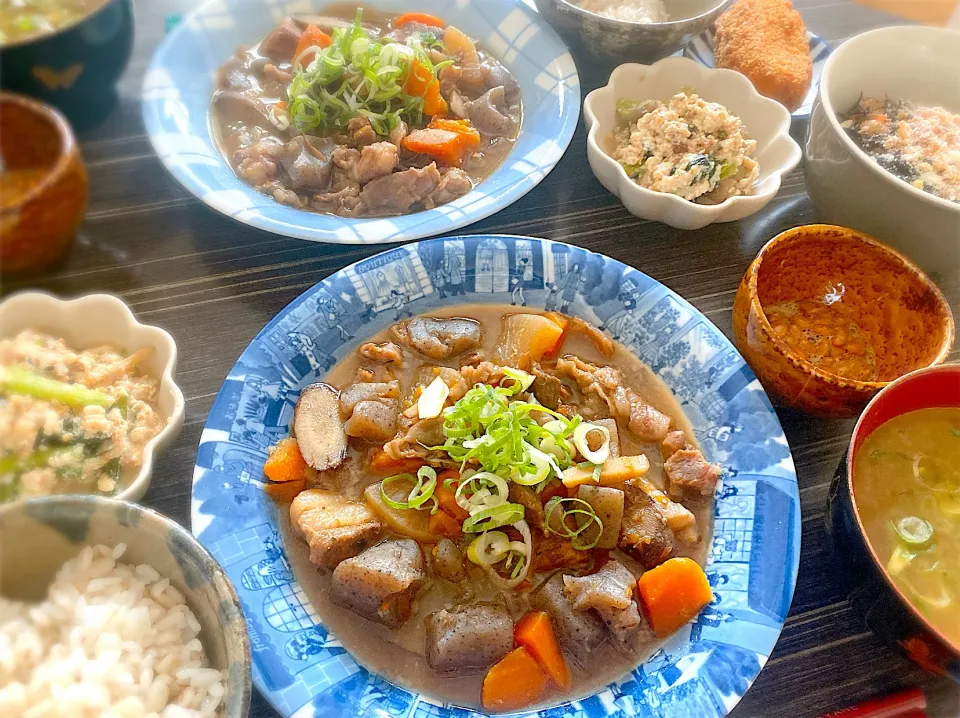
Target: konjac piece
<point>579,632</point>
<point>468,638</point>
<point>381,582</point>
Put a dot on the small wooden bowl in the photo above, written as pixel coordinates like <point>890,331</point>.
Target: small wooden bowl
<point>902,312</point>
<point>37,227</point>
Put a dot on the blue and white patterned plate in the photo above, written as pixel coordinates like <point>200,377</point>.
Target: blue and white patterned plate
<point>179,85</point>
<point>702,671</point>
<point>701,50</point>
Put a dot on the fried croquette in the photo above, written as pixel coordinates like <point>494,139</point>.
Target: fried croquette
<point>766,40</point>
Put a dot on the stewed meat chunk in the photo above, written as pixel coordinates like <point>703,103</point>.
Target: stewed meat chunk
<point>335,527</point>
<point>609,592</point>
<point>672,443</point>
<point>370,410</point>
<point>688,472</point>
<point>579,632</point>
<point>607,383</point>
<point>644,534</point>
<point>280,44</point>
<point>383,352</point>
<point>381,582</point>
<point>468,638</point>
<point>438,338</point>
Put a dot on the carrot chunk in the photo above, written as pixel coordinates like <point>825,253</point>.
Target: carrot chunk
<point>420,17</point>
<point>535,633</point>
<point>440,144</point>
<point>468,134</point>
<point>514,683</point>
<point>312,36</point>
<point>285,462</point>
<point>433,102</point>
<point>418,80</point>
<point>383,463</point>
<point>443,524</point>
<point>563,322</point>
<point>286,491</point>
<point>447,497</point>
<point>673,593</point>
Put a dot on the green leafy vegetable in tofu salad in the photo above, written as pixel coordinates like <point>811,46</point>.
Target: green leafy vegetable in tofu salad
<point>686,146</point>
<point>71,421</point>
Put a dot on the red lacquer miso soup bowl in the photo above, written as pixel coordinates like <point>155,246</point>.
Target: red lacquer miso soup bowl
<point>894,513</point>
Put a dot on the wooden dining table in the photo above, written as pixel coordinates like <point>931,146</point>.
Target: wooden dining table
<point>213,283</point>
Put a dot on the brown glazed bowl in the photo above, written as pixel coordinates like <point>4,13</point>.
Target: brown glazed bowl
<point>885,609</point>
<point>37,226</point>
<point>902,312</point>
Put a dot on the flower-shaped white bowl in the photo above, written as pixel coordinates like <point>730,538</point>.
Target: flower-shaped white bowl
<point>94,320</point>
<point>766,121</point>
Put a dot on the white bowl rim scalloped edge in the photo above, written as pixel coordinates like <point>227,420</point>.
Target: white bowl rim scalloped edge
<point>700,74</point>
<point>850,47</point>
<point>158,338</point>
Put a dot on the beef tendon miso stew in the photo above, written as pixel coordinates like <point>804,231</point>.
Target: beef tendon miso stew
<point>506,509</point>
<point>906,483</point>
<point>360,114</point>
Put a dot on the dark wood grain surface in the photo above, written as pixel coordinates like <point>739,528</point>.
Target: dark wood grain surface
<point>213,283</point>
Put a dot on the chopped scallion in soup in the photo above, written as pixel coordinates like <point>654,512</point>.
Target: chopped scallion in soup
<point>907,488</point>
<point>25,19</point>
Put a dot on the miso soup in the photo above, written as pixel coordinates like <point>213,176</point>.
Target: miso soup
<point>907,486</point>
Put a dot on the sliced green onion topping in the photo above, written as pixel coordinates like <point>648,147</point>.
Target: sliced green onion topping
<point>562,514</point>
<point>493,517</point>
<point>423,487</point>
<point>899,560</point>
<point>581,441</point>
<point>480,490</point>
<point>498,555</point>
<point>914,531</point>
<point>358,74</point>
<point>431,401</point>
<point>522,378</point>
<point>486,428</point>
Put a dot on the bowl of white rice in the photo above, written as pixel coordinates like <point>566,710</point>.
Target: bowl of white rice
<point>630,30</point>
<point>115,610</point>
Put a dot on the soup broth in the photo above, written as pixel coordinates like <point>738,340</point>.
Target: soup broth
<point>907,488</point>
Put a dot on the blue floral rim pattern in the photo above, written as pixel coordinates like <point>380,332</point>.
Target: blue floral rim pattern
<point>703,670</point>
<point>180,80</point>
<point>701,50</point>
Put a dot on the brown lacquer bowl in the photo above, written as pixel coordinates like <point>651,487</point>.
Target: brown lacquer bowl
<point>899,311</point>
<point>885,608</point>
<point>40,211</point>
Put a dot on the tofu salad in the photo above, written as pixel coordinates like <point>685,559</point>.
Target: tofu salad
<point>686,146</point>
<point>71,421</point>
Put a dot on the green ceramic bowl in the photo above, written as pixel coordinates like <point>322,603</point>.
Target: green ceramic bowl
<point>76,68</point>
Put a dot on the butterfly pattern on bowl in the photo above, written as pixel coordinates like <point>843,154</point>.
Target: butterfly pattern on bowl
<point>702,671</point>
<point>179,85</point>
<point>701,50</point>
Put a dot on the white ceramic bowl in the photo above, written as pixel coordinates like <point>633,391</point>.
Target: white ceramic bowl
<point>98,319</point>
<point>848,187</point>
<point>615,41</point>
<point>766,121</point>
